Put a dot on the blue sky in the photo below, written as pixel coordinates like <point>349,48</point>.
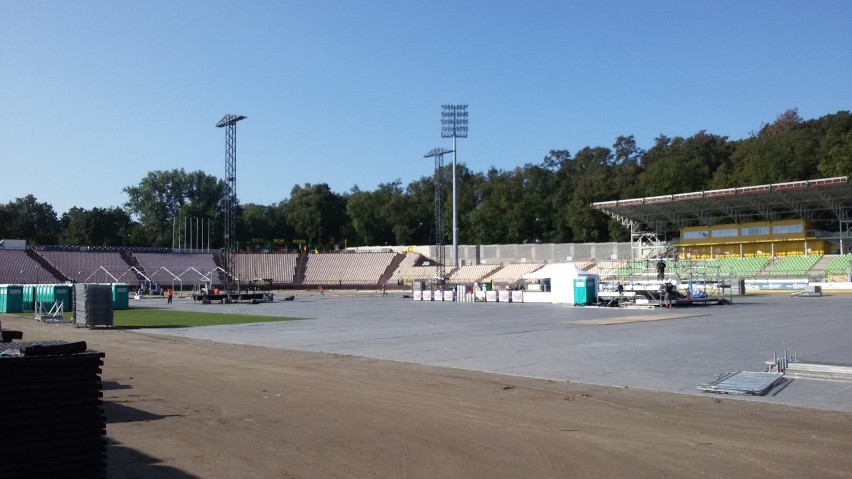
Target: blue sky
<point>94,94</point>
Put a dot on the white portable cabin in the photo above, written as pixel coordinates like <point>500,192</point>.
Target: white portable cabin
<point>561,276</point>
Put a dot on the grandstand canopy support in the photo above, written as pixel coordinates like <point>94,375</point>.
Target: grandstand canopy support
<point>811,200</point>
<point>845,233</point>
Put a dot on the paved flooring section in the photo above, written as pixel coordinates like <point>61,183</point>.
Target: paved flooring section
<point>664,349</point>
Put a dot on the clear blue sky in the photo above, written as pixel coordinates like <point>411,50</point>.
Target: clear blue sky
<point>94,94</point>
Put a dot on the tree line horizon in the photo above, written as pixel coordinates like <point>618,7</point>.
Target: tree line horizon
<point>547,202</point>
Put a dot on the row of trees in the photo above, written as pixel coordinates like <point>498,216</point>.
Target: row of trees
<point>544,202</point>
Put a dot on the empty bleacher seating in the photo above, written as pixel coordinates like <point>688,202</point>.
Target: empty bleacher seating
<point>279,267</point>
<point>607,269</point>
<point>161,266</point>
<point>347,268</point>
<point>16,267</point>
<point>408,271</point>
<point>91,266</point>
<point>794,265</point>
<point>514,272</point>
<point>184,267</point>
<point>839,265</point>
<point>472,273</point>
<point>741,267</point>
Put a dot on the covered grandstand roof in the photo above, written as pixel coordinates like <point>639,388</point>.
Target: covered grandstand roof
<point>826,198</point>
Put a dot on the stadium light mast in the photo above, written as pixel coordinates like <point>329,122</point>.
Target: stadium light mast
<point>440,267</point>
<point>454,125</point>
<point>229,122</point>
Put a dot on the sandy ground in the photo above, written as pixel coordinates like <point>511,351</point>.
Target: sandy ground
<point>184,408</point>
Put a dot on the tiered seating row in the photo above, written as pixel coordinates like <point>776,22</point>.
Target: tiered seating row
<point>839,264</point>
<point>17,267</point>
<point>363,268</point>
<point>513,272</point>
<point>471,273</point>
<point>190,267</point>
<point>85,266</point>
<point>607,269</point>
<point>280,268</point>
<point>347,268</point>
<point>794,265</point>
<point>742,266</point>
<point>406,271</point>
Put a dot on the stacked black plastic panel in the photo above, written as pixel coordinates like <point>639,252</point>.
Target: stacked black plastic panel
<point>93,305</point>
<point>51,412</point>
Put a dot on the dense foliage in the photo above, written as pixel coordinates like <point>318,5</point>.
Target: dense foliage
<point>544,202</point>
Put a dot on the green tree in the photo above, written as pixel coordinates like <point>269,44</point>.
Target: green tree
<point>589,186</point>
<point>317,213</point>
<point>682,165</point>
<point>163,196</point>
<point>263,223</point>
<point>367,212</point>
<point>418,205</point>
<point>489,220</point>
<point>28,219</point>
<point>835,144</point>
<point>785,150</point>
<point>96,227</point>
<point>558,163</point>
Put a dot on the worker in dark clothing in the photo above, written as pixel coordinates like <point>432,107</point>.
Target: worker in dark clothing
<point>661,269</point>
<point>668,295</point>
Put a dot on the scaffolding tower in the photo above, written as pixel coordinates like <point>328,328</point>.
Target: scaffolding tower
<point>229,122</point>
<point>440,252</point>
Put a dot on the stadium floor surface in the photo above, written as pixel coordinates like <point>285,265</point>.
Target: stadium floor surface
<point>672,350</point>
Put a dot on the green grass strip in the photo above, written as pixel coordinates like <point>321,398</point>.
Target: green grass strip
<point>168,318</point>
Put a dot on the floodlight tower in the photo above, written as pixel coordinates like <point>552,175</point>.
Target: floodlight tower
<point>454,125</point>
<point>229,122</point>
<point>440,267</point>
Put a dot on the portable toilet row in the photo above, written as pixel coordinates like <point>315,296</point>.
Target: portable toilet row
<point>48,294</point>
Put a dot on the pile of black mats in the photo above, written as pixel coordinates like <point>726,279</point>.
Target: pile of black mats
<point>93,305</point>
<point>51,411</point>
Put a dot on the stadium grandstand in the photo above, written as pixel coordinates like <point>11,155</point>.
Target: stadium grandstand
<point>772,231</point>
<point>758,231</point>
<point>181,270</point>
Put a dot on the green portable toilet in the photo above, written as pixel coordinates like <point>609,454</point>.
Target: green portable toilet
<point>62,292</point>
<point>584,290</point>
<point>41,294</point>
<point>28,300</point>
<point>11,298</point>
<point>120,296</point>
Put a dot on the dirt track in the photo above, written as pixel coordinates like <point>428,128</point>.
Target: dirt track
<point>181,408</point>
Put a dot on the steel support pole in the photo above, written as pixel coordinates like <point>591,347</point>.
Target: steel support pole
<point>455,211</point>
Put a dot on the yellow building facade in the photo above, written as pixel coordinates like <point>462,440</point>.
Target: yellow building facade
<point>745,240</point>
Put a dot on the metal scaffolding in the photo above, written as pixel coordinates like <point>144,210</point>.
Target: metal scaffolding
<point>229,122</point>
<point>440,252</point>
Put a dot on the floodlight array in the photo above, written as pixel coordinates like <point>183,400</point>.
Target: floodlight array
<point>454,121</point>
